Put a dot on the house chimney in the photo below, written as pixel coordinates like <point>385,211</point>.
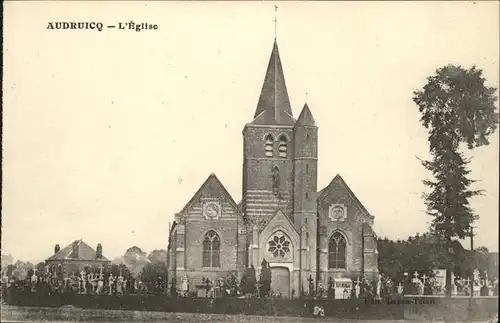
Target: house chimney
<point>99,251</point>
<point>57,248</point>
<point>75,249</point>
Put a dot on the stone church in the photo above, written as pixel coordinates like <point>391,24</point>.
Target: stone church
<point>301,231</point>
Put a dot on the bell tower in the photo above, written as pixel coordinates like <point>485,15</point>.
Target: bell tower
<point>268,149</point>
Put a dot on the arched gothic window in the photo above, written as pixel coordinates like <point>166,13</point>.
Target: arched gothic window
<point>269,146</point>
<point>211,250</point>
<point>283,148</point>
<point>337,251</point>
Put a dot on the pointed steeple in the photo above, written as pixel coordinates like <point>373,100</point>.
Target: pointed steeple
<point>305,117</point>
<point>274,105</point>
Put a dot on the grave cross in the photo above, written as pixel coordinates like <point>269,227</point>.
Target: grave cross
<point>424,278</point>
<point>467,281</point>
<point>311,285</point>
<point>357,281</point>
<point>400,288</point>
<point>415,274</point>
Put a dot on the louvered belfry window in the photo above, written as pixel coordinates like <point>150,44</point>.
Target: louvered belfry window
<point>269,146</point>
<point>283,147</point>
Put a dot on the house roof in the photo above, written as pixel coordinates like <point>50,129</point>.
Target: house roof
<point>85,252</point>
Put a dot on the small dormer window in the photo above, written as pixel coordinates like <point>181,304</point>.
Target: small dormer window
<point>269,146</point>
<point>283,148</point>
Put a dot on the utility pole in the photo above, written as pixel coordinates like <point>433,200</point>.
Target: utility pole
<point>473,261</point>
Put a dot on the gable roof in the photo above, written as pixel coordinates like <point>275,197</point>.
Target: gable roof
<point>274,107</point>
<point>340,180</point>
<point>274,216</point>
<point>85,252</point>
<point>211,179</point>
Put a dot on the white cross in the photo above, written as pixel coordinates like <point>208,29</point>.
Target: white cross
<point>424,278</point>
<point>357,281</point>
<point>415,274</point>
<point>400,288</point>
<point>467,281</point>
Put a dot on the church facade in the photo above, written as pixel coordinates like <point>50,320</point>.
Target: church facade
<point>303,233</point>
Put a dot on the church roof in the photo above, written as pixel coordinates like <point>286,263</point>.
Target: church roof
<point>305,117</point>
<point>215,182</point>
<point>277,213</point>
<point>85,253</point>
<point>274,107</point>
<point>340,180</point>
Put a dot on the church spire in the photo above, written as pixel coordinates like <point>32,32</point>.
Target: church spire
<point>305,118</point>
<point>274,104</point>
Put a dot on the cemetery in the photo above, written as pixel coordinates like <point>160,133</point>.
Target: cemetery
<point>418,297</point>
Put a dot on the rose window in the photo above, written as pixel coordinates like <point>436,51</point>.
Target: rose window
<point>279,246</point>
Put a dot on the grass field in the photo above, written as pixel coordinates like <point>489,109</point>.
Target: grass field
<point>70,314</point>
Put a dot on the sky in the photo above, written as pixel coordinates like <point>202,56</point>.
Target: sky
<point>106,135</point>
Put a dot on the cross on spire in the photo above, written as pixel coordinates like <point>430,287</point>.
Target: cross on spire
<point>275,20</point>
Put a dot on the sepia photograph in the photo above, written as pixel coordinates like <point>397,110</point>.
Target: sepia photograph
<point>250,161</point>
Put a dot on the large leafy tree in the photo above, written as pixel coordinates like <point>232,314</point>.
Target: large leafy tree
<point>457,109</point>
<point>158,256</point>
<point>135,259</point>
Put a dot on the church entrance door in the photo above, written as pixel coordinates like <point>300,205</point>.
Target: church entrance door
<point>280,281</point>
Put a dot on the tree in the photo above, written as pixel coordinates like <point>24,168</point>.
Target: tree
<point>264,279</point>
<point>158,256</point>
<point>135,259</point>
<point>154,276</point>
<point>457,108</point>
<point>21,269</point>
<point>6,260</point>
<point>40,267</point>
<point>133,255</point>
<point>248,281</point>
<point>481,261</point>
